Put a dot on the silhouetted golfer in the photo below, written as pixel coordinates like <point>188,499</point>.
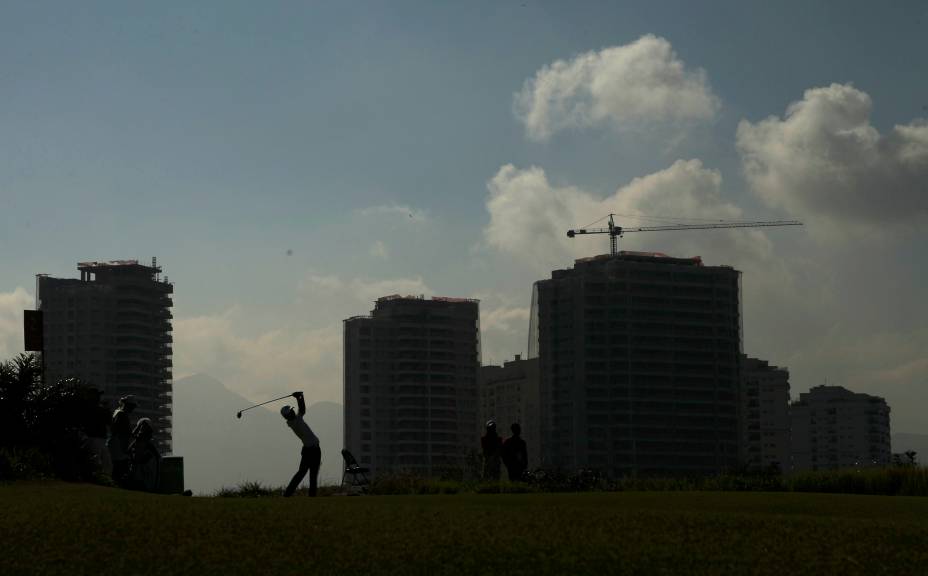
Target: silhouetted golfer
<point>492,446</point>
<point>310,455</point>
<point>118,442</point>
<point>515,453</point>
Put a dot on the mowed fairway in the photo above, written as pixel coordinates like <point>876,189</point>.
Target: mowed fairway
<point>77,529</point>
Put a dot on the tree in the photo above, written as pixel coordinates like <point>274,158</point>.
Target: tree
<point>54,418</point>
<point>19,377</point>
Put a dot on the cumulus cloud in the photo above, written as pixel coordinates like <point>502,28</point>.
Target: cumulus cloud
<point>529,217</point>
<point>825,160</point>
<point>263,364</point>
<point>12,305</point>
<point>302,354</point>
<point>639,83</point>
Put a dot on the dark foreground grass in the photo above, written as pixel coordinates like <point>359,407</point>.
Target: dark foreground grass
<point>80,529</point>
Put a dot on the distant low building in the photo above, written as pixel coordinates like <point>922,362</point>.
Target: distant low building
<point>509,394</point>
<point>834,428</point>
<point>765,422</point>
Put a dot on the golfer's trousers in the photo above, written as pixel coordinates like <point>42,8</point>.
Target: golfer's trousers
<point>310,458</point>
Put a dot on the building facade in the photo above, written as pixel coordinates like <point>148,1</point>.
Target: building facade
<point>410,384</point>
<point>834,428</point>
<point>639,358</point>
<point>765,423</point>
<point>509,394</point>
<point>112,329</point>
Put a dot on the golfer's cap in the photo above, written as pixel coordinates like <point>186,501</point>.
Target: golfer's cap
<point>286,410</point>
<point>491,423</point>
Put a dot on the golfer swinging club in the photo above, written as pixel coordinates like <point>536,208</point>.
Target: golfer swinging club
<point>311,455</point>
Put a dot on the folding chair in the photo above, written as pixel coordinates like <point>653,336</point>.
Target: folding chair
<point>357,473</point>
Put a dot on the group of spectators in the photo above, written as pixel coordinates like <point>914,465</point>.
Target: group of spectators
<point>512,452</point>
<point>133,456</point>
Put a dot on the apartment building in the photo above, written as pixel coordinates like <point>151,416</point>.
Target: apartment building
<point>765,423</point>
<point>410,384</point>
<point>112,329</point>
<point>834,428</point>
<point>510,394</point>
<point>638,360</point>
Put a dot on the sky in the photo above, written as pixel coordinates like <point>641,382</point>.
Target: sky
<point>290,162</point>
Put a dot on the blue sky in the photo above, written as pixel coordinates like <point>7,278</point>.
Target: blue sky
<point>365,138</point>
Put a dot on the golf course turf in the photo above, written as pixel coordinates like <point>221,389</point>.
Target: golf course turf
<point>55,528</point>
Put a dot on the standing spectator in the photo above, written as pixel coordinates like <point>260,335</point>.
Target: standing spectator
<point>95,429</point>
<point>492,446</point>
<point>145,461</point>
<point>515,454</point>
<point>310,455</point>
<point>120,436</point>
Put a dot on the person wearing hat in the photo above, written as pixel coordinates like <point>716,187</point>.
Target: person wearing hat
<point>310,455</point>
<point>118,441</point>
<point>492,446</point>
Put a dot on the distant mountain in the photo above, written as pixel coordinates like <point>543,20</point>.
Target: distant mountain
<point>222,450</point>
<point>903,442</point>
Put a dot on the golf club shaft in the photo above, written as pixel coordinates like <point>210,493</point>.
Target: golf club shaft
<point>268,402</point>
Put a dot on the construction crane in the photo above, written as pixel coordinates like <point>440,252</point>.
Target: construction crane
<point>615,232</point>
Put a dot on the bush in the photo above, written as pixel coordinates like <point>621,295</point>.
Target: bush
<point>896,481</point>
<point>24,464</point>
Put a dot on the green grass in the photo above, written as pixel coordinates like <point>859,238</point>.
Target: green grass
<point>54,528</point>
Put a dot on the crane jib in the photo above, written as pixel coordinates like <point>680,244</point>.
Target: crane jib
<point>617,231</point>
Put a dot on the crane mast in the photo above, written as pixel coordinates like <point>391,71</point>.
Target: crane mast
<point>615,232</point>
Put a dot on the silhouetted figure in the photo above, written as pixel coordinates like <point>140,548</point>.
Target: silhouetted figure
<point>310,455</point>
<point>95,429</point>
<point>492,446</point>
<point>144,459</point>
<point>120,436</point>
<point>515,453</point>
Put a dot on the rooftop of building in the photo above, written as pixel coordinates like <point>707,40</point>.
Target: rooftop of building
<point>758,364</point>
<point>635,256</point>
<point>603,261</point>
<point>94,266</point>
<point>397,299</point>
<point>422,298</point>
<point>836,394</point>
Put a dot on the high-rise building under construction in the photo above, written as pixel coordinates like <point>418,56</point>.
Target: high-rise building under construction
<point>112,329</point>
<point>411,384</point>
<point>638,359</point>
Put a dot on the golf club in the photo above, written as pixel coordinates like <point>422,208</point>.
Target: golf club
<point>239,414</point>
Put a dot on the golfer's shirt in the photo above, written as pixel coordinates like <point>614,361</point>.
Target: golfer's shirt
<point>303,432</point>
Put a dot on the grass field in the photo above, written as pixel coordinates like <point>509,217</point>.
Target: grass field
<point>58,528</point>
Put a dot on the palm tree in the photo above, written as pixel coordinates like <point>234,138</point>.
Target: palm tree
<point>19,379</point>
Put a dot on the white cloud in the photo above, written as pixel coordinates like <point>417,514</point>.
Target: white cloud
<point>825,161</point>
<point>262,365</point>
<point>12,305</point>
<point>639,83</point>
<point>504,319</point>
<point>529,217</point>
<point>302,354</point>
